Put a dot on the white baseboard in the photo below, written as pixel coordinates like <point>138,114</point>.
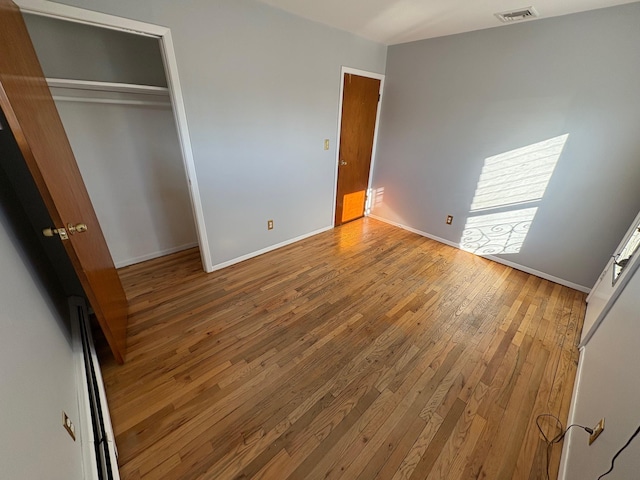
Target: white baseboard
<point>413,230</point>
<point>517,266</point>
<point>152,255</point>
<point>566,445</point>
<point>537,273</point>
<point>233,261</point>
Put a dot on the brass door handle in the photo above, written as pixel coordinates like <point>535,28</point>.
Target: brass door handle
<point>342,162</point>
<point>79,228</point>
<point>64,233</point>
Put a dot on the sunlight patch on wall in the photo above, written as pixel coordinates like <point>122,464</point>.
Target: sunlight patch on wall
<point>502,232</point>
<point>506,199</point>
<point>375,196</point>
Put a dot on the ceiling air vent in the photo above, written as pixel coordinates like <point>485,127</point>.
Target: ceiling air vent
<point>518,15</point>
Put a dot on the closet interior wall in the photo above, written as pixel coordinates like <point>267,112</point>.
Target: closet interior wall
<point>111,93</point>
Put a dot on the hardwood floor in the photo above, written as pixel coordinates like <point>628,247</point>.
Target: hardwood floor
<point>364,352</point>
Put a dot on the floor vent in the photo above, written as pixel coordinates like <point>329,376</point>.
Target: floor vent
<point>518,15</point>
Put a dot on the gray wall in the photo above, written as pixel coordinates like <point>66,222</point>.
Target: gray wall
<point>130,161</point>
<point>454,101</point>
<point>608,387</point>
<point>77,51</point>
<point>261,94</point>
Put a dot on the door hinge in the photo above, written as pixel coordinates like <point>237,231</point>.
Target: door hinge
<point>379,96</point>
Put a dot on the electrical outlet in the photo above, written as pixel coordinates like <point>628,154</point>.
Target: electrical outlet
<point>326,144</point>
<point>68,426</point>
<point>597,430</point>
<point>269,224</point>
<point>449,219</point>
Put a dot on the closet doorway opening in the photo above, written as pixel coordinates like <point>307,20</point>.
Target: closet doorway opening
<point>115,85</point>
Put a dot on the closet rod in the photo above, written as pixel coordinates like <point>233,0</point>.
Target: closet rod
<point>107,86</point>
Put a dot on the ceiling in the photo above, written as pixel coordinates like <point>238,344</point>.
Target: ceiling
<point>400,21</point>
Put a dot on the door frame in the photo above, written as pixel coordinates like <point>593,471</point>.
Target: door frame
<point>362,73</point>
<point>163,34</point>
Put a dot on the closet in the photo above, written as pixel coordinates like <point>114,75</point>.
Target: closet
<point>111,92</point>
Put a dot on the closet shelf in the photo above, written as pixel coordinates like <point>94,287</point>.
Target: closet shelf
<point>107,86</point>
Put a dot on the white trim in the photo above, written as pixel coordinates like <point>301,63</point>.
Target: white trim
<point>601,277</point>
<point>517,266</point>
<point>362,73</point>
<point>242,258</point>
<point>416,231</point>
<point>89,17</point>
<point>180,113</point>
<point>87,439</point>
<point>107,86</point>
<point>618,286</point>
<point>537,273</point>
<point>616,252</point>
<point>89,463</point>
<point>621,284</point>
<point>566,446</point>
<point>152,255</point>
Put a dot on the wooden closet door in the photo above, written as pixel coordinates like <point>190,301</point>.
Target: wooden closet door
<point>33,119</point>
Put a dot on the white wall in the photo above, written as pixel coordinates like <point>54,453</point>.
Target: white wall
<point>37,377</point>
<point>608,387</point>
<point>130,160</point>
<point>261,91</point>
<point>452,102</point>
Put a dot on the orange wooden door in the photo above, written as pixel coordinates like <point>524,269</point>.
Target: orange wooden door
<point>360,96</point>
<point>33,119</point>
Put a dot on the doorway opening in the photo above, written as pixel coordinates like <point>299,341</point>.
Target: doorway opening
<point>128,107</point>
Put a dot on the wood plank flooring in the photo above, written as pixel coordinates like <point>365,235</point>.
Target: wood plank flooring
<point>364,352</point>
